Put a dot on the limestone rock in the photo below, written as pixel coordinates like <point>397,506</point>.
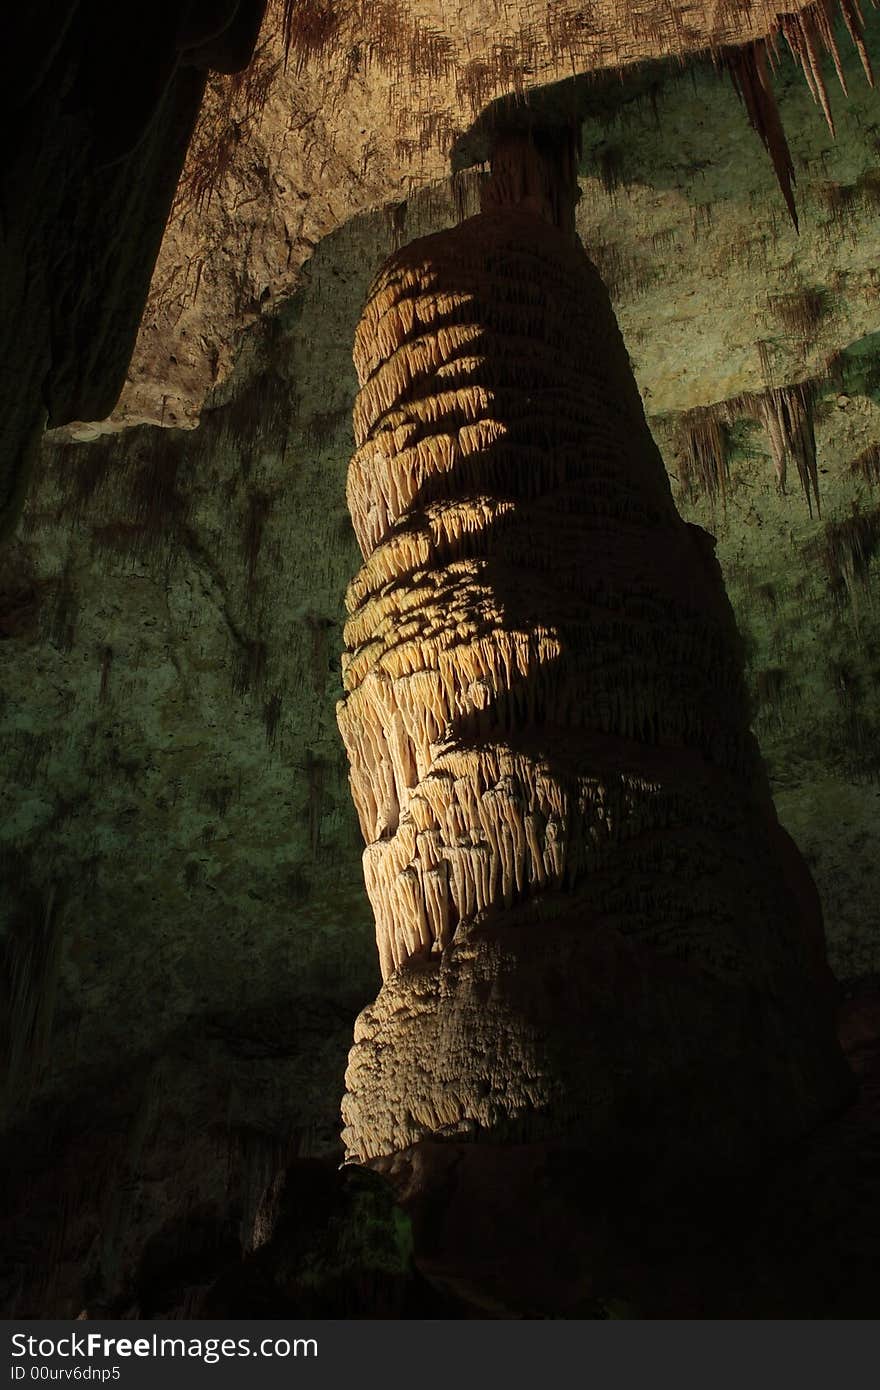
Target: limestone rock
<point>353,107</point>
<point>548,734</point>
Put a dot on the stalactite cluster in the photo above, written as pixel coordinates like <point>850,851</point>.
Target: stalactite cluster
<point>230,115</point>
<point>704,454</point>
<point>20,596</point>
<point>786,413</point>
<point>545,711</point>
<point>809,33</point>
<point>308,27</point>
<point>419,54</point>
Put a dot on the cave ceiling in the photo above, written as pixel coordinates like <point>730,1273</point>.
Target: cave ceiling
<point>346,109</point>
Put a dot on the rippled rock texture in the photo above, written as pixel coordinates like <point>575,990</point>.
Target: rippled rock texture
<point>590,924</point>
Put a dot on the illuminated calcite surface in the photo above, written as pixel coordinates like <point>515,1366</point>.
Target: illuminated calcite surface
<point>586,911</point>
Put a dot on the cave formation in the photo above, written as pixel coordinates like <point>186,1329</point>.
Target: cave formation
<point>602,957</point>
<point>569,831</point>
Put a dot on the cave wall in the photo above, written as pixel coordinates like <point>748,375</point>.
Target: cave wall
<point>804,591</point>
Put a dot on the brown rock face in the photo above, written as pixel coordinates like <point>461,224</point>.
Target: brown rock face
<point>585,927</point>
<point>351,106</point>
<point>99,116</point>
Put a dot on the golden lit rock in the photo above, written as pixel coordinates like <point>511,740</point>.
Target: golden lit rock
<point>548,734</point>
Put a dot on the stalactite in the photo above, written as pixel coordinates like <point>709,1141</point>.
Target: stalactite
<point>787,415</point>
<point>106,666</point>
<point>840,200</point>
<point>764,360</point>
<point>272,717</point>
<point>802,33</point>
<point>748,70</point>
<point>259,506</point>
<point>315,770</point>
<point>63,612</point>
<point>218,800</point>
<point>703,450</point>
<point>770,685</point>
<point>250,670</point>
<point>396,215</point>
<point>810,32</point>
<point>610,162</point>
<point>852,18</point>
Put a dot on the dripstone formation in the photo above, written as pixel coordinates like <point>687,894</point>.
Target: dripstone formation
<point>591,928</point>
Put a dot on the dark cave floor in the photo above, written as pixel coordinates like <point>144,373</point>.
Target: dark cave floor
<point>800,1240</point>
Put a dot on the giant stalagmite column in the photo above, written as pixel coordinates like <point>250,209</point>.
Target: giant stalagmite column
<point>591,929</point>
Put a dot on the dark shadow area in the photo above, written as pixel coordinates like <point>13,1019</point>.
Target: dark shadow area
<point>798,1239</point>
<point>447,1230</point>
<point>597,96</point>
<point>100,110</point>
